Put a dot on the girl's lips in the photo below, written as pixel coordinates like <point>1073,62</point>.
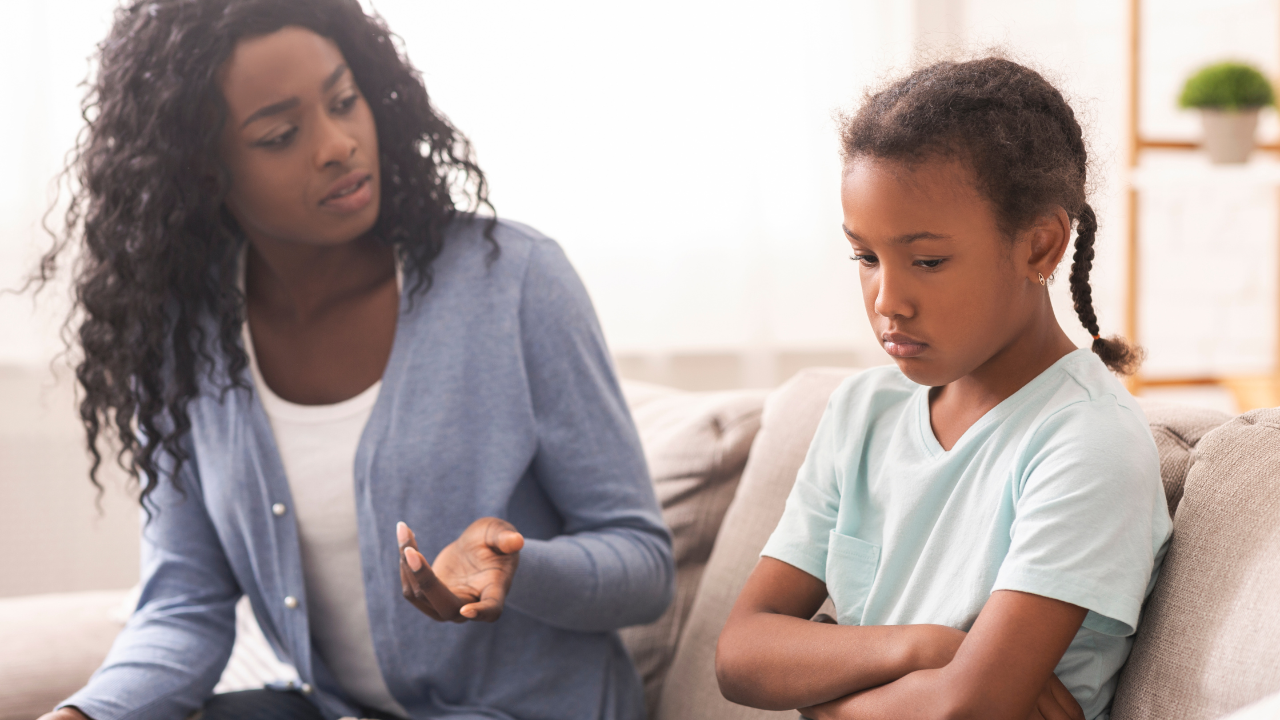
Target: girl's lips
<point>351,197</point>
<point>901,346</point>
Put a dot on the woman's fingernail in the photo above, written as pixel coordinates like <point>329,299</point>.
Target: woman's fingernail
<point>402,533</point>
<point>413,558</point>
<point>468,611</point>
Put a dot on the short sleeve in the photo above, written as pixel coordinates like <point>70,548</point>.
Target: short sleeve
<point>802,535</point>
<point>1090,515</point>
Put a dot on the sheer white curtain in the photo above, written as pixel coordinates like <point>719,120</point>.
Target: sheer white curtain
<point>684,154</point>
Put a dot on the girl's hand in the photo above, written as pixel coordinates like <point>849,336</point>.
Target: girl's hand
<point>470,577</point>
<point>1056,703</point>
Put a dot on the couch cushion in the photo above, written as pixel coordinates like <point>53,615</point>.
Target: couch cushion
<point>696,444</point>
<point>52,644</point>
<point>1209,642</point>
<point>791,416</point>
<point>1177,429</point>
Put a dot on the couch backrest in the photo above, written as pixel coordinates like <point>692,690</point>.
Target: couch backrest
<point>696,445</point>
<point>790,419</point>
<point>1209,640</point>
<point>1177,430</point>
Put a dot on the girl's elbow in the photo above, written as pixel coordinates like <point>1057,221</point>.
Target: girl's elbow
<point>739,676</point>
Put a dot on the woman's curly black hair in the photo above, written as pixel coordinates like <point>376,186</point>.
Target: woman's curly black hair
<point>1022,141</point>
<point>159,250</point>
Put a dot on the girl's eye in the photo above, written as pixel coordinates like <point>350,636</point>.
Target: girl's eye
<point>931,264</point>
<point>864,260</point>
<point>278,141</point>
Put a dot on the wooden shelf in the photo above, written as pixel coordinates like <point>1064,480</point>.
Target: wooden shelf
<point>1165,163</point>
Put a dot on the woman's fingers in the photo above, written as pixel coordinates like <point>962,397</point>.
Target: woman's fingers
<point>413,594</point>
<point>428,586</point>
<point>502,537</point>
<point>489,607</point>
<point>419,583</point>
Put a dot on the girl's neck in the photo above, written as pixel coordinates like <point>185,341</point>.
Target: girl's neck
<point>956,406</point>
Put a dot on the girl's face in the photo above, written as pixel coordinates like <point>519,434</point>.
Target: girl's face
<point>944,289</point>
<point>300,142</point>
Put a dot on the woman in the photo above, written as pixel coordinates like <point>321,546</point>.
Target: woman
<point>306,350</point>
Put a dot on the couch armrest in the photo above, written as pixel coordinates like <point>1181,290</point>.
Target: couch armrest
<point>52,644</point>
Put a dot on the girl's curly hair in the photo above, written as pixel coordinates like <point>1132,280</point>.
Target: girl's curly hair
<point>160,251</point>
<point>1022,141</point>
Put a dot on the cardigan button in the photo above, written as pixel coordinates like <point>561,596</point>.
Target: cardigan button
<point>290,602</point>
<point>306,689</point>
<point>278,509</point>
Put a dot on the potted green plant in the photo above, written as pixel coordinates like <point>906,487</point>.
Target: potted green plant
<point>1228,95</point>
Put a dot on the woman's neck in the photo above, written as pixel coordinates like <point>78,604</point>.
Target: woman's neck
<point>302,282</point>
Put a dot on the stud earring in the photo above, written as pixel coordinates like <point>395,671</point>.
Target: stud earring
<point>1041,276</point>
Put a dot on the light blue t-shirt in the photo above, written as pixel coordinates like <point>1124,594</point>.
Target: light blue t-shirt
<point>1056,491</point>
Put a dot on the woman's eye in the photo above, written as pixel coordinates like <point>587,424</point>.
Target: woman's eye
<point>346,103</point>
<point>864,260</point>
<point>930,264</point>
<point>278,141</point>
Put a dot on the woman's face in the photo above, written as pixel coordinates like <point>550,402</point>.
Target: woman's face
<point>300,142</point>
<point>944,289</point>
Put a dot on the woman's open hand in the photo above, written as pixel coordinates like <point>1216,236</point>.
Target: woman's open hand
<point>470,577</point>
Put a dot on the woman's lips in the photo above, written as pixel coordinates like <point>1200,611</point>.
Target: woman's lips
<point>902,346</point>
<point>350,194</point>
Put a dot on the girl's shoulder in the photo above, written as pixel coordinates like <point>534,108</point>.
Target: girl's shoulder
<point>1085,392</point>
<point>869,396</point>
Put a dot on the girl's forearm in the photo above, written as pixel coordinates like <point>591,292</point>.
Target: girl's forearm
<point>778,662</point>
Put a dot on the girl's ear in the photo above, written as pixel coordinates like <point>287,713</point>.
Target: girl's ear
<point>1047,238</point>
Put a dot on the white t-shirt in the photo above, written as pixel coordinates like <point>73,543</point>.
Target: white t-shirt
<point>317,444</point>
<point>1055,491</point>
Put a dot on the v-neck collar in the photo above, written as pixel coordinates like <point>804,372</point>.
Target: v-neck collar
<point>1002,409</point>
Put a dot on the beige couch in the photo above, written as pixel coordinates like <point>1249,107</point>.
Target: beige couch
<point>723,464</point>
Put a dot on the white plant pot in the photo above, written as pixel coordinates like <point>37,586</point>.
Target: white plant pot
<point>1228,135</point>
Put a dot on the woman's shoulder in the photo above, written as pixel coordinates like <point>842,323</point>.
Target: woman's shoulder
<point>494,257</point>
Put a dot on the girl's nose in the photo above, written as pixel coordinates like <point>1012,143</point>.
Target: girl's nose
<point>891,296</point>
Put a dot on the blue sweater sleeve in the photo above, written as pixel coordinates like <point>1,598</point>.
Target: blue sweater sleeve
<point>612,566</point>
<point>173,649</point>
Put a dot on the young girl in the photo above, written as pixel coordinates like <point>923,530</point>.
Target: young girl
<point>987,516</point>
<point>306,349</point>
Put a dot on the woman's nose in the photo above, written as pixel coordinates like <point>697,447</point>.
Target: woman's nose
<point>336,145</point>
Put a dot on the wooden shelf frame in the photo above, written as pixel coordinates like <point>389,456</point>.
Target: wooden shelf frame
<point>1249,391</point>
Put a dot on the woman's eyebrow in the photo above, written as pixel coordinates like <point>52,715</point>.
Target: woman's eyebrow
<point>272,109</point>
<point>901,239</point>
<point>291,103</point>
<point>333,78</point>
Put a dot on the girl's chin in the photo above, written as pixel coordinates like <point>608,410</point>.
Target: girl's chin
<point>920,372</point>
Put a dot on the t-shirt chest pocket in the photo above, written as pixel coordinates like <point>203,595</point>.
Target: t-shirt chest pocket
<point>851,568</point>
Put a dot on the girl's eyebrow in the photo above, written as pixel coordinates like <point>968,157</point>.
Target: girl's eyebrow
<point>901,239</point>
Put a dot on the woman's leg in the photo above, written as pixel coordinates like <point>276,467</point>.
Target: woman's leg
<point>260,705</point>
